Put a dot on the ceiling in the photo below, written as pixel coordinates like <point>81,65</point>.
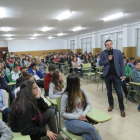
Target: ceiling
<point>27,17</point>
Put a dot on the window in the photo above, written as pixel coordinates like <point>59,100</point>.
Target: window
<point>138,42</point>
<point>72,45</point>
<point>117,39</point>
<point>86,45</point>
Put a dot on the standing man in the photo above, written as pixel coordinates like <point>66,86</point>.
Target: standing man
<point>114,68</point>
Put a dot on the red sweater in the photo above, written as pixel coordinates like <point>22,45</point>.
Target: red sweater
<point>56,59</point>
<point>47,81</point>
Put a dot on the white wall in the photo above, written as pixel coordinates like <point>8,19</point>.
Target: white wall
<point>3,44</point>
<point>35,45</point>
<point>129,36</point>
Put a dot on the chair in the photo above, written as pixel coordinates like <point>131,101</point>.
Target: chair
<point>100,73</point>
<point>18,136</point>
<point>0,115</point>
<point>63,129</point>
<point>87,67</point>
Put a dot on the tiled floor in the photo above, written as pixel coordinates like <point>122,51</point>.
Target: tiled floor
<point>118,128</point>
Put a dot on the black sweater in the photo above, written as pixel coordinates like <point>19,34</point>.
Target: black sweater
<point>27,123</point>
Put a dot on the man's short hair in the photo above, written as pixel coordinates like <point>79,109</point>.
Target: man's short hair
<point>132,58</point>
<point>136,61</point>
<point>107,41</point>
<point>15,65</point>
<point>51,68</point>
<point>22,68</point>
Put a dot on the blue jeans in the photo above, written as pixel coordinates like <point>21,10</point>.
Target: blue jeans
<point>86,130</point>
<point>76,71</point>
<point>109,79</point>
<point>5,114</point>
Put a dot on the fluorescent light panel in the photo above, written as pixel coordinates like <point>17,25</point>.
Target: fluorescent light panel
<point>77,29</point>
<point>65,15</point>
<point>45,29</point>
<point>115,16</point>
<point>32,38</point>
<point>60,34</point>
<point>5,29</point>
<point>50,37</point>
<point>2,13</point>
<point>8,35</point>
<point>35,35</point>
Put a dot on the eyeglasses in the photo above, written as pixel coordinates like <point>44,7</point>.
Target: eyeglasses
<point>35,87</point>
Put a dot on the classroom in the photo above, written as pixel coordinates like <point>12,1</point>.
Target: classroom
<point>69,70</point>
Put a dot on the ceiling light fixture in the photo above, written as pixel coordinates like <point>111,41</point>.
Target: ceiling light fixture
<point>5,29</point>
<point>60,34</point>
<point>9,38</point>
<point>45,29</point>
<point>35,35</point>
<point>8,35</point>
<point>50,37</point>
<point>32,38</point>
<point>115,16</point>
<point>2,13</point>
<point>65,15</point>
<point>77,29</point>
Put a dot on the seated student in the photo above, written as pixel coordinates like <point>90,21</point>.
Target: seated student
<point>57,86</point>
<point>7,64</point>
<point>135,75</point>
<point>34,70</point>
<point>131,64</point>
<point>5,131</point>
<point>66,57</point>
<point>41,66</point>
<point>52,58</point>
<point>98,59</point>
<point>86,60</point>
<point>25,77</point>
<point>3,85</point>
<point>62,66</point>
<point>4,72</point>
<point>30,56</point>
<point>4,105</point>
<point>26,61</point>
<point>15,73</point>
<point>29,114</point>
<point>23,72</point>
<point>12,60</point>
<point>57,58</point>
<point>18,64</point>
<point>48,79</point>
<point>43,57</point>
<point>78,66</point>
<point>75,104</point>
<point>47,59</point>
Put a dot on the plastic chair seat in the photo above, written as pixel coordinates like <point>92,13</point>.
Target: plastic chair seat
<point>18,136</point>
<point>101,73</point>
<point>72,136</point>
<point>90,73</point>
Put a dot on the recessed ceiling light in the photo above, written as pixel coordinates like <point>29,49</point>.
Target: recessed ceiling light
<point>45,29</point>
<point>32,38</point>
<point>35,35</point>
<point>106,36</point>
<point>60,34</point>
<point>8,35</point>
<point>2,13</point>
<point>65,15</point>
<point>115,16</point>
<point>50,37</point>
<point>9,38</point>
<point>77,29</point>
<point>5,29</point>
<point>120,36</point>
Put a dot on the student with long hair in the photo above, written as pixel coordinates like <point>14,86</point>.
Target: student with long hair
<point>78,66</point>
<point>29,114</point>
<point>75,104</point>
<point>86,60</point>
<point>57,86</point>
<point>26,61</point>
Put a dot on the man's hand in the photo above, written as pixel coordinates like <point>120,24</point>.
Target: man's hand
<point>123,77</point>
<point>51,135</point>
<point>110,57</point>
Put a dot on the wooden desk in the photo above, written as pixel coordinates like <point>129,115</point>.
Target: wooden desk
<point>98,116</point>
<point>134,83</point>
<point>11,83</point>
